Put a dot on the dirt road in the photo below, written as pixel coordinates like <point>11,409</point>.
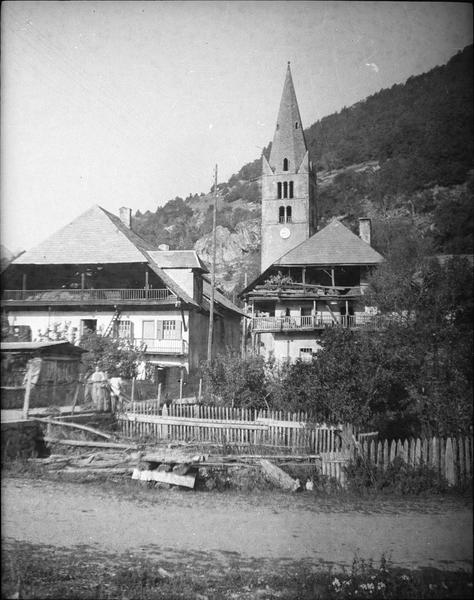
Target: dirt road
<point>276,527</point>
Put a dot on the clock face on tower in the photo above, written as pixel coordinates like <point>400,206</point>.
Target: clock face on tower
<point>285,233</point>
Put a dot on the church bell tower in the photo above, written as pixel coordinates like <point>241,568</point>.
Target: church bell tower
<point>289,214</point>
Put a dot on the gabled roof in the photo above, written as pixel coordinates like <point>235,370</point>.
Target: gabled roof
<point>96,236</point>
<point>335,244</point>
<point>177,259</point>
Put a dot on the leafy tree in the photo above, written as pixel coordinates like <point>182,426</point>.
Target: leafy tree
<point>113,356</point>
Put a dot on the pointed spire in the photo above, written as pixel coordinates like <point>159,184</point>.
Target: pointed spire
<point>288,141</point>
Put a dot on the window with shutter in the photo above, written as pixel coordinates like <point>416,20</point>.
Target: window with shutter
<point>159,330</point>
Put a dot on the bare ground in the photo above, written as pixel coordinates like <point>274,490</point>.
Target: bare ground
<point>222,528</point>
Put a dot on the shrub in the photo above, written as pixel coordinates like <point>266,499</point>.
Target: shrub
<point>363,476</point>
<point>235,381</point>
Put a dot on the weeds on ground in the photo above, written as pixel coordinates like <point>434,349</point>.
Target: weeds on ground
<point>81,573</point>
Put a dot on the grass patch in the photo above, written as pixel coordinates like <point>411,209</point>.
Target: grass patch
<point>84,573</point>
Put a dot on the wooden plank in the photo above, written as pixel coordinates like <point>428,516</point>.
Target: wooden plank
<point>449,471</point>
<point>74,426</point>
<point>417,457</point>
<point>278,476</point>
<point>379,454</point>
<point>116,470</point>
<point>386,455</point>
<point>87,443</point>
<point>372,451</point>
<point>405,451</point>
<point>425,451</point>
<point>205,423</point>
<point>171,478</point>
<point>393,450</point>
<point>26,401</point>
<point>434,459</point>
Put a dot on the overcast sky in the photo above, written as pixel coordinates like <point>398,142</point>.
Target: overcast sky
<point>133,103</point>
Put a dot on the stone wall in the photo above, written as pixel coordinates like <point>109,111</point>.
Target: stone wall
<point>20,440</point>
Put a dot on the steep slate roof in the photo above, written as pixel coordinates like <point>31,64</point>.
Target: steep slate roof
<point>218,298</point>
<point>288,140</point>
<point>177,259</point>
<point>332,245</point>
<point>96,236</point>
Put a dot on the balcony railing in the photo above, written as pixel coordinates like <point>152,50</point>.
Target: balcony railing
<point>161,346</point>
<point>320,321</point>
<point>93,296</point>
<point>299,290</point>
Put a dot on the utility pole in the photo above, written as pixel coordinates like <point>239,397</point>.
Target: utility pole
<point>213,271</point>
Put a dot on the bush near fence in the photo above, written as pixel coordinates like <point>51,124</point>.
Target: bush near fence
<point>411,465</point>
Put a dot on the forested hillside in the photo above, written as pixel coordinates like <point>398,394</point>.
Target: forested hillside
<point>403,156</point>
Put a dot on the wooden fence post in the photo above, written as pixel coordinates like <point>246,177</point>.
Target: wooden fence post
<point>133,389</point>
<point>417,452</point>
<point>449,463</point>
<point>434,461</point>
<point>76,394</point>
<point>158,396</point>
<point>164,413</point>
<point>26,402</point>
<point>467,457</point>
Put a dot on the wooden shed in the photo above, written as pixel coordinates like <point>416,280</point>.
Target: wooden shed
<point>54,373</point>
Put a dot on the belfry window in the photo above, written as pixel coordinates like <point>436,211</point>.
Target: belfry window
<point>285,189</point>
<point>290,191</point>
<point>284,214</point>
<point>285,164</point>
<point>296,125</point>
<point>279,189</point>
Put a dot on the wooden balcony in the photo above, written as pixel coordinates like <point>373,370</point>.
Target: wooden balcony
<point>299,291</point>
<point>67,297</point>
<point>152,346</point>
<point>314,322</point>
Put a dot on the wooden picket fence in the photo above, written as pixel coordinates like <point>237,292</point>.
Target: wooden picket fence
<point>451,458</point>
<point>232,426</point>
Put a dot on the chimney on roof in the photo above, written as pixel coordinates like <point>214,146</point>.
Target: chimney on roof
<point>125,215</point>
<point>365,230</point>
<point>163,247</point>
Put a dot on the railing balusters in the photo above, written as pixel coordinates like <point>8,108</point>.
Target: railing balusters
<point>65,295</point>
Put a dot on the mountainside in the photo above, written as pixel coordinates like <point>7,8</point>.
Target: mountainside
<point>403,157</point>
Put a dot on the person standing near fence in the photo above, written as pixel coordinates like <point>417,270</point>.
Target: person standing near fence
<point>100,390</point>
<point>116,384</point>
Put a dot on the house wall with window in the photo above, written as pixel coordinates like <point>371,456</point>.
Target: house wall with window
<point>284,346</point>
